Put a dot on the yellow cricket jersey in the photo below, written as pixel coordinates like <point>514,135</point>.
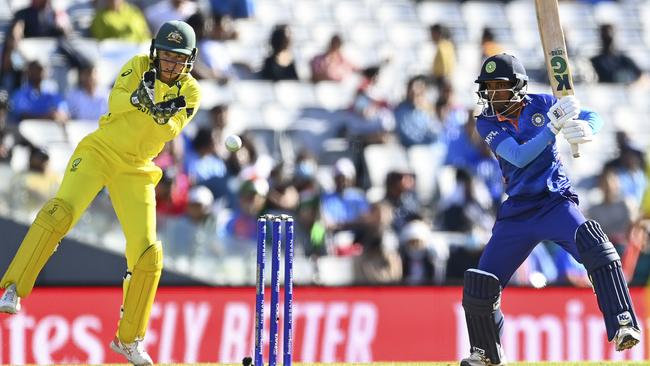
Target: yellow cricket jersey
<point>132,131</point>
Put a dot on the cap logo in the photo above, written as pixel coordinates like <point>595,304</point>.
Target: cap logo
<point>175,36</point>
<point>490,67</point>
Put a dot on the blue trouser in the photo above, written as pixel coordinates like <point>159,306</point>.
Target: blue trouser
<point>522,224</point>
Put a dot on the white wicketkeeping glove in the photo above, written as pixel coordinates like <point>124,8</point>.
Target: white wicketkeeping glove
<point>577,131</point>
<point>565,109</point>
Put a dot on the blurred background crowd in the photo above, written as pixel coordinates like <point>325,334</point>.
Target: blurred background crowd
<point>357,118</point>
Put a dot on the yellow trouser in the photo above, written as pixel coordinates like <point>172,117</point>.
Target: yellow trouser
<point>131,186</point>
<point>93,165</point>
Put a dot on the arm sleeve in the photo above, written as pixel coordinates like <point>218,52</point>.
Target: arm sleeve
<point>593,118</point>
<point>127,81</point>
<point>522,155</point>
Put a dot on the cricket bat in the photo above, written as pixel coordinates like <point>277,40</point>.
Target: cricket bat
<point>555,53</point>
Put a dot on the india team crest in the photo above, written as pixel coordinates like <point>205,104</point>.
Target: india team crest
<point>175,37</point>
<point>491,66</point>
<point>538,120</point>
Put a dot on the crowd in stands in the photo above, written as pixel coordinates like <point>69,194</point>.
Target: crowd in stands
<point>392,231</point>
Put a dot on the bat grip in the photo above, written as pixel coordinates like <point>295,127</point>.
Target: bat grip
<point>575,151</point>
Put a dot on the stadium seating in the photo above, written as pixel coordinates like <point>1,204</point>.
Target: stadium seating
<point>335,271</point>
<point>381,159</point>
<point>40,49</point>
<point>43,132</point>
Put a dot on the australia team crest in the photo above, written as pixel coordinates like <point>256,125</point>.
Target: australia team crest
<point>175,37</point>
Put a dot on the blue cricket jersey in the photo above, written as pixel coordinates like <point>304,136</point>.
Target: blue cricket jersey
<point>545,172</point>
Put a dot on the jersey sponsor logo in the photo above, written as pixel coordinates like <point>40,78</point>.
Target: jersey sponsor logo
<point>537,120</point>
<point>490,136</point>
<point>75,164</point>
<point>175,36</point>
<point>490,67</point>
<point>127,72</point>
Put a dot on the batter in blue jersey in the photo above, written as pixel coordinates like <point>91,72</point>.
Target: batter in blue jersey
<point>521,129</point>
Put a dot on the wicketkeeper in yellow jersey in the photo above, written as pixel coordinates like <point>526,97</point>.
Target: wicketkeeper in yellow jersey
<point>153,98</point>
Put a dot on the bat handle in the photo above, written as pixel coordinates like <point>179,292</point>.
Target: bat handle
<point>575,151</point>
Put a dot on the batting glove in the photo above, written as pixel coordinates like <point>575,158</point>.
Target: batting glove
<point>565,109</point>
<point>163,111</point>
<point>577,131</point>
<point>144,95</point>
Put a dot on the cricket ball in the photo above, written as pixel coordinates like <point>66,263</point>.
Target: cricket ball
<point>233,143</point>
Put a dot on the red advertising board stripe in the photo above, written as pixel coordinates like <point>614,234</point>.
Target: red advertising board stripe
<point>360,324</point>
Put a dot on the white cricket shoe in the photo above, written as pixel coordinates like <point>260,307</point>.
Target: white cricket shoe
<point>626,337</point>
<point>134,352</point>
<point>10,302</point>
<point>477,359</point>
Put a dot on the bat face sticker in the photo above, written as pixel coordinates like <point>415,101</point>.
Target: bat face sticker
<point>559,65</point>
